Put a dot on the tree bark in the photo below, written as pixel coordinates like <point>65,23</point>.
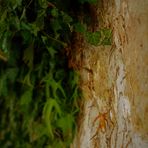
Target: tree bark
<point>115,80</point>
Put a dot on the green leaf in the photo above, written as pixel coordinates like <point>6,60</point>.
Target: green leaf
<point>16,22</point>
<point>43,3</point>
<point>51,51</point>
<point>3,85</point>
<point>15,3</point>
<point>25,26</point>
<point>29,55</point>
<point>34,29</point>
<point>26,98</point>
<point>66,123</point>
<point>55,86</point>
<point>73,79</point>
<point>6,41</point>
<point>3,26</point>
<point>3,16</point>
<point>66,18</point>
<point>27,80</point>
<point>54,12</point>
<point>37,131</point>
<point>93,37</point>
<point>12,74</point>
<point>27,37</point>
<point>44,39</point>
<point>106,36</point>
<point>80,27</point>
<point>55,25</point>
<point>47,111</point>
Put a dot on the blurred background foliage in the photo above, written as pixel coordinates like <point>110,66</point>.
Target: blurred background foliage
<point>39,93</point>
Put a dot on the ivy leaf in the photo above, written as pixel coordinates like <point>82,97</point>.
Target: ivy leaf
<point>73,79</point>
<point>34,29</point>
<point>55,25</point>
<point>44,39</point>
<point>29,56</point>
<point>43,3</point>
<point>59,75</point>
<point>106,36</point>
<point>3,85</point>
<point>80,27</point>
<point>27,37</point>
<point>51,51</point>
<point>55,86</point>
<point>27,80</point>
<point>15,22</point>
<point>66,18</point>
<point>6,41</point>
<point>54,12</point>
<point>66,123</point>
<point>74,97</point>
<point>36,131</point>
<point>3,26</point>
<point>15,3</point>
<point>93,37</point>
<point>12,74</point>
<point>3,16</point>
<point>47,111</point>
<point>40,19</point>
<point>26,98</point>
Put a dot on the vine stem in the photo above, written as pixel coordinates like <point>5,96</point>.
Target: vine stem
<point>58,41</point>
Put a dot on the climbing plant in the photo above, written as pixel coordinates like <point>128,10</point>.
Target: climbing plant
<point>39,93</point>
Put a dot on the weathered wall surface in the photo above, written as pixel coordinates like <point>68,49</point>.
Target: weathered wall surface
<point>115,81</point>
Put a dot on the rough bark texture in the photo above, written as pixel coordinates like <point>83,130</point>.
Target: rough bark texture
<point>115,80</point>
